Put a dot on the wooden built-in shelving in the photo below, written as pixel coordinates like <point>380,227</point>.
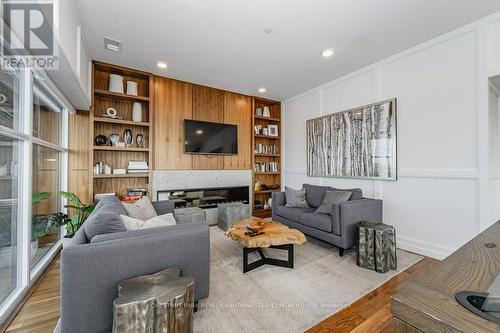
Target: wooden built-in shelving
<point>267,178</point>
<point>118,157</point>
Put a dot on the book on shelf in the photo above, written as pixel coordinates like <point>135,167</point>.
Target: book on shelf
<point>136,171</point>
<point>266,167</point>
<point>261,148</point>
<point>99,196</point>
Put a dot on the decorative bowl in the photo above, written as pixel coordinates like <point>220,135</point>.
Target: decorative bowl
<point>256,227</point>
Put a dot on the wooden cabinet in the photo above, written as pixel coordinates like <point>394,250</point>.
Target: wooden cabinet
<point>173,104</point>
<point>238,111</point>
<point>208,105</point>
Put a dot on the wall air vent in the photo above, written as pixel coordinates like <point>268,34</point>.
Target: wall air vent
<point>112,44</point>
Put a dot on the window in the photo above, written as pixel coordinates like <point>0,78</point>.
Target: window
<point>9,99</point>
<point>45,201</point>
<point>9,161</point>
<point>46,115</point>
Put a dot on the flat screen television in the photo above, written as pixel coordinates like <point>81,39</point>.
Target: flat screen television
<point>202,137</point>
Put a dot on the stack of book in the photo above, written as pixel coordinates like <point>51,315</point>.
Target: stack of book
<point>99,196</point>
<point>266,167</point>
<point>266,149</point>
<point>137,167</point>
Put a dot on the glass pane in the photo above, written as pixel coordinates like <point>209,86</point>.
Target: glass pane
<point>46,115</point>
<point>45,200</point>
<point>9,157</point>
<point>9,99</point>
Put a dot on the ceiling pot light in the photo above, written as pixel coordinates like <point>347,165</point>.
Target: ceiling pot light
<point>262,90</point>
<point>327,53</point>
<point>268,30</point>
<point>161,64</point>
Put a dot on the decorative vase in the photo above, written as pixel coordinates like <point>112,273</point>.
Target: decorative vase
<point>116,83</point>
<point>139,139</point>
<point>266,112</point>
<point>132,88</point>
<point>127,136</point>
<point>114,138</point>
<point>101,140</point>
<point>258,112</point>
<point>137,112</point>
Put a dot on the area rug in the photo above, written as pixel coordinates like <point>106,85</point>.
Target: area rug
<point>277,299</point>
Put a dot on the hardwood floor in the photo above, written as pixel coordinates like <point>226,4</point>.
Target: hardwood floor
<point>371,313</point>
<point>41,311</point>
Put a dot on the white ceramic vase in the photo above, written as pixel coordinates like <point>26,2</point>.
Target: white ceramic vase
<point>116,83</point>
<point>266,112</point>
<point>137,112</point>
<point>132,88</point>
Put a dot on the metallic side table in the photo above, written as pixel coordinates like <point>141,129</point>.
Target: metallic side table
<point>376,246</point>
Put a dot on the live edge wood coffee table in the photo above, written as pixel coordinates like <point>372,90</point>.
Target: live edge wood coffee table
<point>274,235</point>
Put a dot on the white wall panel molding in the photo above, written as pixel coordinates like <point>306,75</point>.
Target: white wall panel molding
<point>469,174</point>
<point>429,249</point>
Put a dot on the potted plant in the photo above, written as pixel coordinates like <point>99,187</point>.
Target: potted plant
<point>83,211</point>
<point>43,224</point>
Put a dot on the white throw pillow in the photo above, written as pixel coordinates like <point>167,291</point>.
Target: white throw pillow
<point>155,222</point>
<point>142,209</point>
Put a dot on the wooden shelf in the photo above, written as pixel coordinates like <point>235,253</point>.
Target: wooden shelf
<point>267,118</point>
<point>267,155</point>
<point>108,148</point>
<point>266,136</point>
<point>121,122</point>
<point>267,173</point>
<point>110,94</point>
<point>127,175</point>
<point>266,191</point>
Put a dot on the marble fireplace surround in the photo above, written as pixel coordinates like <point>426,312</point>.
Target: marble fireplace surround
<point>192,179</point>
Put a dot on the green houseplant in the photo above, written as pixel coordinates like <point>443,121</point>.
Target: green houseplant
<point>83,211</point>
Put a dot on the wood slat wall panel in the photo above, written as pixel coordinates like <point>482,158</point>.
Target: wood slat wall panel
<point>208,105</point>
<point>173,104</point>
<point>79,143</point>
<point>238,111</point>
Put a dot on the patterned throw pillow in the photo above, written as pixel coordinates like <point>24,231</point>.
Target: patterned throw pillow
<point>295,198</point>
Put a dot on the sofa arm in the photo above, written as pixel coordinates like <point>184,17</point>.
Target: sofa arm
<point>163,207</point>
<point>278,200</point>
<point>90,272</point>
<point>352,212</point>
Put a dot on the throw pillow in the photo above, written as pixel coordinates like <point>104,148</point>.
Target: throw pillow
<point>155,222</point>
<point>331,198</point>
<point>142,209</point>
<point>295,198</point>
<point>102,223</point>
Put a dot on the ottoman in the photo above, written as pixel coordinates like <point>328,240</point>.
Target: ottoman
<point>231,212</point>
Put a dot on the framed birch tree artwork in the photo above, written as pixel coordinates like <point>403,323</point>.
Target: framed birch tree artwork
<point>356,143</point>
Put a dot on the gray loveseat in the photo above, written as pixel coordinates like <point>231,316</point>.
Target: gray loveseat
<point>339,228</point>
<point>91,270</point>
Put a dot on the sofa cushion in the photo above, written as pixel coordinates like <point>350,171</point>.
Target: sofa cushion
<point>295,198</point>
<point>142,209</point>
<point>318,221</point>
<point>109,204</point>
<point>159,221</point>
<point>292,213</point>
<point>102,223</point>
<point>331,198</point>
<point>357,193</point>
<point>315,194</point>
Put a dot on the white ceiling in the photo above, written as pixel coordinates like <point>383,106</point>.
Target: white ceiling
<point>221,43</point>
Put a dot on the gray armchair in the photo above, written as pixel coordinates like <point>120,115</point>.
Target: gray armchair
<point>90,270</point>
<point>337,228</point>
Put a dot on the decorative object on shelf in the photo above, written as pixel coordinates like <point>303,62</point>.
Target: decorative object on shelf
<point>258,112</point>
<point>137,112</point>
<point>265,131</point>
<point>119,171</point>
<point>376,246</point>
<point>120,144</point>
<point>257,129</point>
<point>365,136</point>
<point>266,113</point>
<point>127,137</point>
<point>101,168</point>
<point>132,88</point>
<point>111,113</point>
<point>116,83</point>
<point>270,202</point>
<point>266,205</point>
<point>114,139</point>
<point>139,140</point>
<point>101,140</point>
<point>158,302</point>
<point>272,130</point>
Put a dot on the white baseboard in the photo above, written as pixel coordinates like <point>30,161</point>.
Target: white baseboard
<point>424,248</point>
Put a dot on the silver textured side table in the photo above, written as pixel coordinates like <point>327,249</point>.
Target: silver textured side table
<point>376,246</point>
<point>231,212</point>
<point>161,302</point>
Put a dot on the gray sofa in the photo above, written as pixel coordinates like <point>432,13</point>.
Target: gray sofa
<point>337,228</point>
<point>91,270</point>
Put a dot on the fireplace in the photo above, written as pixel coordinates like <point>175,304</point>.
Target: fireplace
<point>205,197</point>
